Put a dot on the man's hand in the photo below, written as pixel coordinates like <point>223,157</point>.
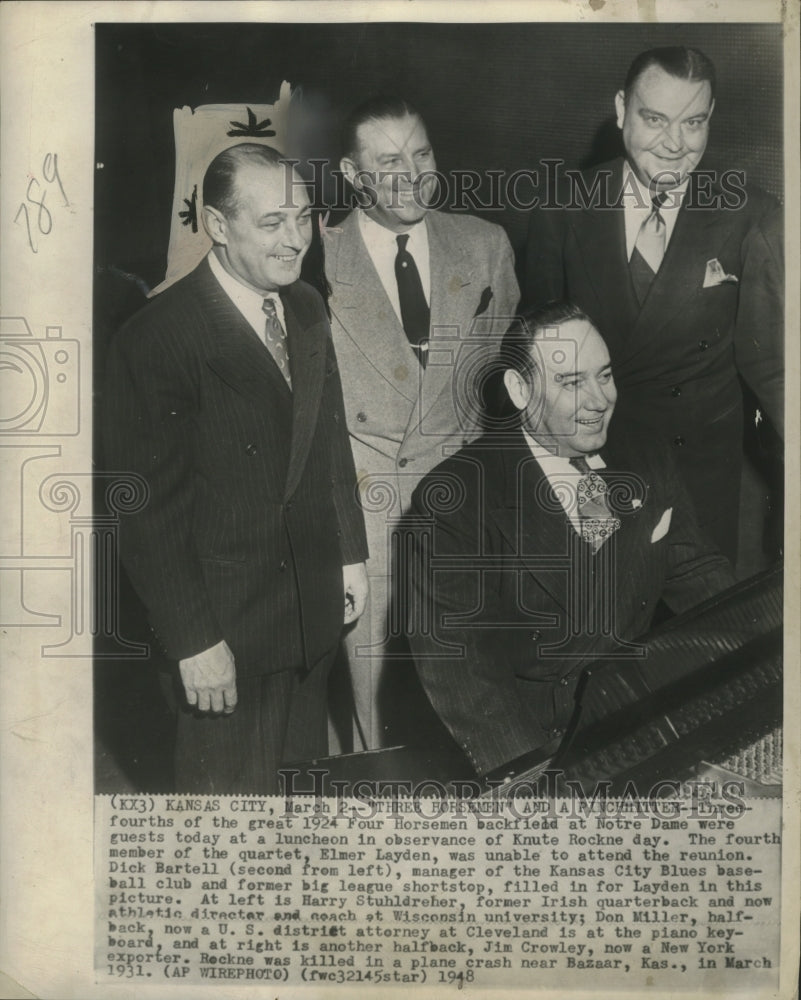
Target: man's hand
<point>357,587</point>
<point>210,679</point>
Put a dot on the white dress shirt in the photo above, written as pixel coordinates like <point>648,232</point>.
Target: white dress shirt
<point>637,207</point>
<point>382,245</point>
<point>562,476</point>
<point>248,302</point>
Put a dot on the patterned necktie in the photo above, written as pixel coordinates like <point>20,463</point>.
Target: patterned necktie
<point>275,339</point>
<point>595,518</point>
<point>649,248</point>
<point>415,314</point>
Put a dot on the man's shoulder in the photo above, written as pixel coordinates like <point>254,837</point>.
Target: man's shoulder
<point>637,451</point>
<point>472,467</point>
<point>462,226</point>
<point>302,294</point>
<point>730,193</point>
<point>173,301</point>
<point>340,233</point>
<point>562,186</point>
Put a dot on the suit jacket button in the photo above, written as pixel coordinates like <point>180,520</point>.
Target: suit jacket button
<point>282,565</point>
<point>703,345</point>
<point>361,417</point>
<point>251,449</point>
<point>675,391</point>
<point>557,732</point>
<point>563,681</point>
<point>535,635</point>
<point>643,604</point>
<point>403,463</point>
<point>288,505</point>
<point>678,441</point>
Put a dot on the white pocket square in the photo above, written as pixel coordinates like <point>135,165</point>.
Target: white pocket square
<point>662,528</point>
<point>715,275</point>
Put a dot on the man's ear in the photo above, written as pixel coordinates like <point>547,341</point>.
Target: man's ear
<point>215,225</point>
<point>518,389</point>
<point>620,107</point>
<point>350,170</point>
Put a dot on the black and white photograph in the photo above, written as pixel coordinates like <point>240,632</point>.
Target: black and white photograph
<point>400,429</point>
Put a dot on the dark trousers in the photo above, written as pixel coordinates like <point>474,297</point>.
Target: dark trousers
<point>279,717</point>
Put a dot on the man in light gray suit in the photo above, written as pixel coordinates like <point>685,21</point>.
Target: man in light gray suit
<point>419,299</point>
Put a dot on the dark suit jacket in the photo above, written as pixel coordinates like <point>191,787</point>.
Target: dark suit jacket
<point>509,602</point>
<point>251,511</point>
<point>677,358</point>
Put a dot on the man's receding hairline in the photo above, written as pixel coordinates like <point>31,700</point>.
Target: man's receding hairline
<point>242,162</point>
<point>386,118</point>
<point>673,76</point>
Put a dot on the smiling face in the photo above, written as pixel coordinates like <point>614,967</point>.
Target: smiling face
<point>263,241</point>
<point>394,168</point>
<point>569,400</point>
<point>665,124</point>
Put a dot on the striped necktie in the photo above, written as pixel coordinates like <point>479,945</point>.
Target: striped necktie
<point>275,339</point>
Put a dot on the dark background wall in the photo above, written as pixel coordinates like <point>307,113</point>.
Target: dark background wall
<point>495,97</point>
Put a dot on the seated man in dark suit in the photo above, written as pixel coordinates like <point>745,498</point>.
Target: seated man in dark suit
<point>543,548</point>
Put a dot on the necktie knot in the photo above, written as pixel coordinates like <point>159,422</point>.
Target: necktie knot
<point>657,202</point>
<point>402,240</point>
<point>580,463</point>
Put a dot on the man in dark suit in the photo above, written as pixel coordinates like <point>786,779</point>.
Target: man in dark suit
<point>415,297</point>
<point>682,271</point>
<point>223,394</point>
<point>539,550</point>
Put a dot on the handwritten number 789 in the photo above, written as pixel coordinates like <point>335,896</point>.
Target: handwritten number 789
<point>42,216</point>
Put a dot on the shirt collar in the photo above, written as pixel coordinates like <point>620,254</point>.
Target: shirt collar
<point>248,301</point>
<point>549,462</point>
<point>638,195</point>
<point>375,234</point>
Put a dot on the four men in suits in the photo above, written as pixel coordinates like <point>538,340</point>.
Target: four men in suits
<point>681,271</point>
<point>541,550</point>
<point>408,350</point>
<point>223,394</point>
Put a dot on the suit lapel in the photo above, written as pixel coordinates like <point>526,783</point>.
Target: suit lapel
<point>238,355</point>
<point>451,284</point>
<point>244,363</point>
<point>632,540</point>
<point>533,521</point>
<point>365,313</point>
<point>600,234</point>
<point>697,238</point>
<point>306,338</point>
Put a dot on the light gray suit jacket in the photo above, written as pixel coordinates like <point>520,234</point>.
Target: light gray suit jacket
<point>401,418</point>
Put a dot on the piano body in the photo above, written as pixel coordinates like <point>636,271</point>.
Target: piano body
<point>704,701</point>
